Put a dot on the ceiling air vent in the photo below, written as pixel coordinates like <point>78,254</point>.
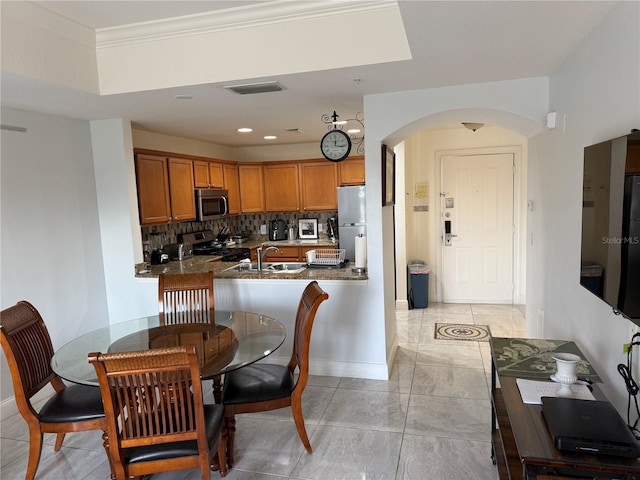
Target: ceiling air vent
<point>251,88</point>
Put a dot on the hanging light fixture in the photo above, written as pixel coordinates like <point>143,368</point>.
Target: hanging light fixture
<point>472,126</point>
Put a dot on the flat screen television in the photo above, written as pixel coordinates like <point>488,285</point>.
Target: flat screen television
<point>610,253</point>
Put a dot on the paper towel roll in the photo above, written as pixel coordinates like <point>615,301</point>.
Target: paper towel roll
<point>361,251</point>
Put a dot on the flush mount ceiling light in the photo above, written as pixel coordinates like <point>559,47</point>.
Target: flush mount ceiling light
<point>270,137</point>
<point>472,126</point>
<point>245,130</point>
<point>251,88</point>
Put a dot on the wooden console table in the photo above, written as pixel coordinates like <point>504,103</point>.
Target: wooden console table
<point>522,447</point>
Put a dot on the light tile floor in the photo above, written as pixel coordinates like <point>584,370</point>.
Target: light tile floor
<point>429,421</point>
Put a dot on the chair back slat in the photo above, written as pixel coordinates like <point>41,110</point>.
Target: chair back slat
<point>186,298</point>
<point>27,345</point>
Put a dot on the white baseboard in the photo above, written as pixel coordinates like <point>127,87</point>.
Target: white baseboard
<point>370,371</point>
<point>402,305</point>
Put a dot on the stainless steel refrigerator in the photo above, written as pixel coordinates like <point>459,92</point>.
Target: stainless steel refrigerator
<point>351,218</point>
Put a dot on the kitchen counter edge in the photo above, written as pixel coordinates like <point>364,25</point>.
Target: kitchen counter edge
<point>205,263</point>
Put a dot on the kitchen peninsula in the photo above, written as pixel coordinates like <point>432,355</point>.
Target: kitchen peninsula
<point>342,337</point>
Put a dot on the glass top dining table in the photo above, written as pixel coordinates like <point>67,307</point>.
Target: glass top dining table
<point>234,340</point>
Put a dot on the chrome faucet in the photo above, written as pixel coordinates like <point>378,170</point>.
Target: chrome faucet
<point>261,253</point>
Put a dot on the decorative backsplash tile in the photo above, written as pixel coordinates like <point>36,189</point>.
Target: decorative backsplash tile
<point>236,223</point>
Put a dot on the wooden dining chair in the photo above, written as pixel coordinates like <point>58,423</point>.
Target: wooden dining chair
<point>156,418</point>
<point>76,408</point>
<point>264,386</point>
<point>186,298</point>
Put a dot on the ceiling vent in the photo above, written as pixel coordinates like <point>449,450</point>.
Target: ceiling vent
<point>251,88</point>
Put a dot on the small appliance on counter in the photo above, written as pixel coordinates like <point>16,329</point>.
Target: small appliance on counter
<point>277,229</point>
<point>158,257</point>
<point>157,242</point>
<point>179,251</point>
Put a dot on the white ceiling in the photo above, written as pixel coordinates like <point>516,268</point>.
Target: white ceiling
<point>451,42</point>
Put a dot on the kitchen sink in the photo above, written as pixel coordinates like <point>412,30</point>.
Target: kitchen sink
<point>268,267</point>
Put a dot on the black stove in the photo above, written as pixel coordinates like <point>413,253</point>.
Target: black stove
<point>206,243</point>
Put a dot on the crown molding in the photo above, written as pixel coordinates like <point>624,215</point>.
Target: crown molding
<point>52,22</point>
<point>250,16</point>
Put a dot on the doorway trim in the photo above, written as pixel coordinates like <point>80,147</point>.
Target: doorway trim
<point>519,214</point>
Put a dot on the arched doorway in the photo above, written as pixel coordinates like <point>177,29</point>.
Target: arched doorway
<point>420,222</point>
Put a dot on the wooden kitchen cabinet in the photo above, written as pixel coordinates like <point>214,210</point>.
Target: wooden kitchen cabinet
<point>284,254</point>
<point>230,172</point>
<point>318,183</point>
<point>251,182</point>
<point>183,204</point>
<point>165,189</point>
<point>208,174</point>
<point>352,171</point>
<point>281,188</point>
<point>152,180</point>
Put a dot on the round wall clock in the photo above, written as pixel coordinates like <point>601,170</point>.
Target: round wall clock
<point>335,145</point>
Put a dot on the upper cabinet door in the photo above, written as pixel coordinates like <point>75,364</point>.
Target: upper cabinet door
<point>232,186</point>
<point>216,175</point>
<point>281,188</point>
<point>352,171</point>
<point>201,174</point>
<point>318,184</point>
<point>251,188</point>
<point>153,189</point>
<point>208,174</point>
<point>183,204</point>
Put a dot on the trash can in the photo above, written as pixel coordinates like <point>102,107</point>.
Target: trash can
<point>591,277</point>
<point>418,284</point>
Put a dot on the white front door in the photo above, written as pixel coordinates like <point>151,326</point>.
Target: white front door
<point>477,210</point>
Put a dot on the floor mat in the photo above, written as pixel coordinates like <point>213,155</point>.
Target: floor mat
<point>461,331</point>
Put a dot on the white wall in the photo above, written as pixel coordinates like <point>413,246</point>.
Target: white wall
<point>597,91</point>
<point>51,250</point>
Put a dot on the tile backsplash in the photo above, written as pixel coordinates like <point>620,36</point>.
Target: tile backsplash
<point>237,224</point>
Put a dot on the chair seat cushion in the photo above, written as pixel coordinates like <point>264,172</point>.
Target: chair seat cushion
<point>73,404</point>
<point>257,383</point>
<point>213,415</point>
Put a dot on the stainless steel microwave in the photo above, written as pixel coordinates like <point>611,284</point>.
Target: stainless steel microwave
<point>211,204</point>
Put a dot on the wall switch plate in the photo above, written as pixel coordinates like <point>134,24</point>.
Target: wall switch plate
<point>263,229</point>
<point>320,226</point>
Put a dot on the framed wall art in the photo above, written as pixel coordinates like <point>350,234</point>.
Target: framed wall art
<point>308,228</point>
<point>388,176</point>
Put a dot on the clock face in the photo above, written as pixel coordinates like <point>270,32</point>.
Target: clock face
<point>335,145</point>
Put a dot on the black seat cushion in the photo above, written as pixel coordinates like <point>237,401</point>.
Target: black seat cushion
<point>213,415</point>
<point>257,383</point>
<point>74,403</point>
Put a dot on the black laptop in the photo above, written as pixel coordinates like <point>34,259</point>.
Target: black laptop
<point>588,426</point>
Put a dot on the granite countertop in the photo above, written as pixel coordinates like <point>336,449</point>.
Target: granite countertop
<point>205,263</point>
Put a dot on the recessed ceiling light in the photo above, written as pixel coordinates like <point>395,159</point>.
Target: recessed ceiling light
<point>339,122</point>
<point>270,137</point>
<point>245,130</point>
<point>183,97</point>
<point>353,130</point>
